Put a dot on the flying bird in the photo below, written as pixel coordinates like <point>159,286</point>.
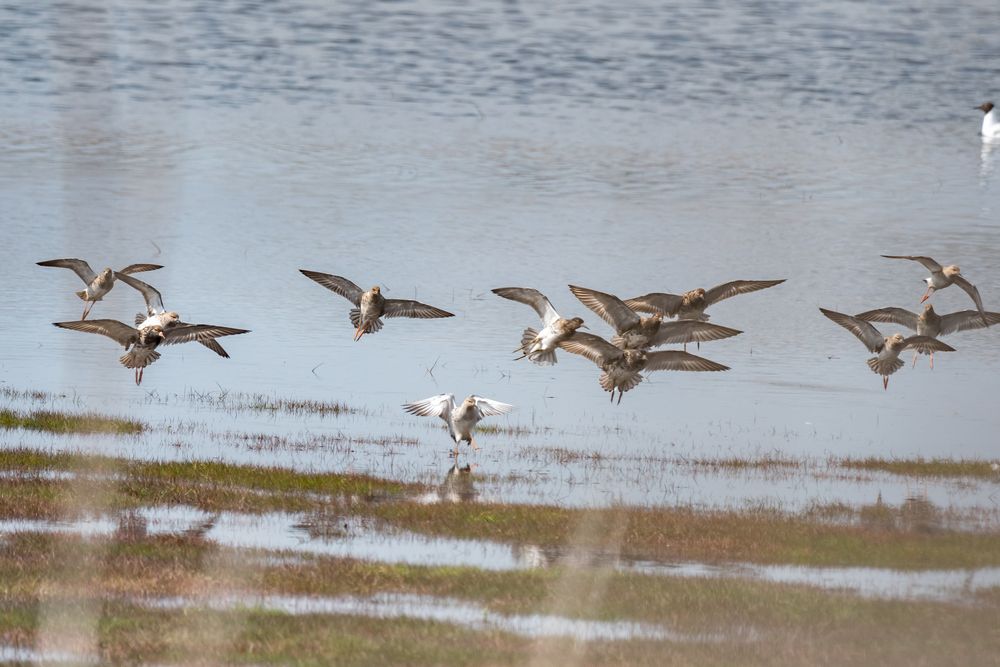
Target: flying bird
<point>633,332</point>
<point>929,323</point>
<point>943,276</point>
<point>98,285</point>
<point>691,305</point>
<point>156,314</point>
<point>886,347</point>
<point>370,306</point>
<point>140,344</point>
<point>540,346</point>
<point>461,420</point>
<point>622,368</point>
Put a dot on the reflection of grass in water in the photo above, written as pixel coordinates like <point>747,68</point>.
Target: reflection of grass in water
<point>62,422</point>
<point>920,467</point>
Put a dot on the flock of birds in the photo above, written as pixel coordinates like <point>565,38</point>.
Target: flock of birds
<point>638,326</point>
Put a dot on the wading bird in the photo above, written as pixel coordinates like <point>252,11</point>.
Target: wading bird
<point>929,323</point>
<point>140,344</point>
<point>886,347</point>
<point>633,332</point>
<point>691,305</point>
<point>540,346</point>
<point>370,306</point>
<point>622,368</point>
<point>461,420</point>
<point>98,285</point>
<point>944,276</point>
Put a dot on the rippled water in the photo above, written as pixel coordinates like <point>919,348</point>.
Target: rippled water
<point>445,149</point>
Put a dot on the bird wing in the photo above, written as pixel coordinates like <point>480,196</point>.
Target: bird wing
<point>407,308</point>
<point>117,331</point>
<point>656,302</point>
<point>78,266</point>
<point>138,268</point>
<point>487,407</point>
<point>687,331</point>
<point>726,290</point>
<point>865,332</point>
<point>611,309</point>
<point>338,284</point>
<point>435,406</point>
<point>893,315</point>
<point>185,333</point>
<point>926,343</point>
<point>964,320</point>
<point>214,346</point>
<point>533,298</point>
<point>971,290</point>
<point>154,302</point>
<point>592,347</point>
<point>675,360</point>
<point>928,263</point>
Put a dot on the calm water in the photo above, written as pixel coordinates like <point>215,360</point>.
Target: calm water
<point>445,149</point>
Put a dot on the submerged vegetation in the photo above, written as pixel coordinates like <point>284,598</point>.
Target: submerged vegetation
<point>921,467</point>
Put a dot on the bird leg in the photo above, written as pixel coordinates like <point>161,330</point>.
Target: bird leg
<point>612,394</point>
<point>914,360</point>
<point>86,309</point>
<point>927,294</point>
<point>620,394</point>
<point>932,361</point>
<point>359,332</point>
<point>472,443</point>
<point>885,382</point>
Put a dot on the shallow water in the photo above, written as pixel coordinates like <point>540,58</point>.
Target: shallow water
<point>445,150</point>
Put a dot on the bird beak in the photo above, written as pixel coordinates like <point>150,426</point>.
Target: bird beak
<point>584,326</point>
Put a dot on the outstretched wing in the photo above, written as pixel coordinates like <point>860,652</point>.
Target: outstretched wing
<point>77,266</point>
<point>656,302</point>
<point>338,284</point>
<point>407,308</point>
<point>138,268</point>
<point>610,308</point>
<point>865,332</point>
<point>971,290</point>
<point>592,347</point>
<point>487,407</point>
<point>964,320</point>
<point>689,331</point>
<point>533,298</point>
<point>154,302</point>
<point>928,263</point>
<point>185,333</point>
<point>675,360</point>
<point>730,289</point>
<point>926,343</point>
<point>117,331</point>
<point>894,315</point>
<point>435,406</point>
<point>214,346</point>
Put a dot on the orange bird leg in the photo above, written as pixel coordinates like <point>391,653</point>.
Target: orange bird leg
<point>885,382</point>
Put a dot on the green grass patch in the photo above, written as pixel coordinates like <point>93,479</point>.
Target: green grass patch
<point>63,422</point>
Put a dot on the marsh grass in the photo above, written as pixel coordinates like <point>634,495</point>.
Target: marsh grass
<point>914,538</point>
<point>921,467</point>
<point>757,623</point>
<point>63,422</point>
<point>244,402</point>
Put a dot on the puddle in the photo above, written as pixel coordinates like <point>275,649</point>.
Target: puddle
<point>444,610</point>
<point>24,654</point>
<point>291,536</point>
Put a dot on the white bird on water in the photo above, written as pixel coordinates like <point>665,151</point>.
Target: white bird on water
<point>991,121</point>
<point>461,420</point>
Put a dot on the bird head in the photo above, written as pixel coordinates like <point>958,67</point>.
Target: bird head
<point>985,107</point>
<point>929,308</point>
<point>896,339</point>
<point>376,289</point>
<point>169,318</point>
<point>951,271</point>
<point>576,323</point>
